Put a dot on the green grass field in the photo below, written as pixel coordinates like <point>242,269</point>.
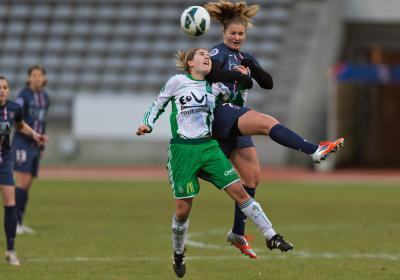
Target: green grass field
<point>121,230</point>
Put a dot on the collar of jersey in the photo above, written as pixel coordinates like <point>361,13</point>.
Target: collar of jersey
<point>190,77</point>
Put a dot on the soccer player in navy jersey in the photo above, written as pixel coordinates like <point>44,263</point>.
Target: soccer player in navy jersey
<point>233,123</point>
<point>35,102</point>
<point>10,113</point>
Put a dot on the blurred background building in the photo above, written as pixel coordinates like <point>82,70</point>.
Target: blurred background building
<point>334,64</point>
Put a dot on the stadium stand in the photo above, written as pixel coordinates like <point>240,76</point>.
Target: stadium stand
<point>112,47</point>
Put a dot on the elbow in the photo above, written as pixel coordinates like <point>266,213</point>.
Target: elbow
<point>267,85</point>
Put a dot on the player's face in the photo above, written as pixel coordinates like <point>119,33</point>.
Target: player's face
<point>201,62</point>
<point>37,79</point>
<point>4,90</point>
<point>234,35</point>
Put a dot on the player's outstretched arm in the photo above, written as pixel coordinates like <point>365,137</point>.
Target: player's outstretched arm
<point>143,130</point>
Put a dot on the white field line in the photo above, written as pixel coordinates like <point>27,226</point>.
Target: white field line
<point>261,252</point>
<point>309,227</point>
<point>294,254</point>
<point>302,254</point>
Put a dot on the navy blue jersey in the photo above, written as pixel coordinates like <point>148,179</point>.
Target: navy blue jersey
<point>230,59</point>
<point>9,113</point>
<point>35,106</point>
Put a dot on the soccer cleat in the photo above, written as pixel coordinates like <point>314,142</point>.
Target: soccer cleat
<point>240,242</point>
<point>277,242</point>
<point>11,258</point>
<point>325,148</point>
<point>21,229</point>
<point>178,264</point>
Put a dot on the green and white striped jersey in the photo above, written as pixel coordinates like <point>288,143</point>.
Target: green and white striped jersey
<point>193,102</point>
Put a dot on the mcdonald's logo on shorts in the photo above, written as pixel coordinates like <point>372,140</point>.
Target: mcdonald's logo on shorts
<point>189,187</point>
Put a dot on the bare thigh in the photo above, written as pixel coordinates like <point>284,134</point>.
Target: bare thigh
<point>256,123</point>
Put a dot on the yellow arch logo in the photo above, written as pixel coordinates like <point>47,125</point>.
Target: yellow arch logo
<point>189,187</point>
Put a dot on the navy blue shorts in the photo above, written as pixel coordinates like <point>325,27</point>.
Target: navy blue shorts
<point>26,158</point>
<point>6,170</point>
<point>225,117</point>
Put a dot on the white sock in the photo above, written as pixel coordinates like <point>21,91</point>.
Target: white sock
<point>179,230</point>
<point>252,209</point>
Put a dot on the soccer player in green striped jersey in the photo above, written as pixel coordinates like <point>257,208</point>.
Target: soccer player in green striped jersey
<point>193,152</point>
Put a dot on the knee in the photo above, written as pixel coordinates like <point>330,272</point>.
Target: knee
<point>252,179</point>
<point>9,200</point>
<point>238,193</point>
<point>243,196</point>
<point>268,123</point>
<point>182,214</point>
<point>251,183</point>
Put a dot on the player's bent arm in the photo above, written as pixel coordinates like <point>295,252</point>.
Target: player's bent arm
<point>218,75</point>
<point>24,128</point>
<point>263,78</point>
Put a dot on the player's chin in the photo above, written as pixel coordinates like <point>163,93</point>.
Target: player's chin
<point>206,70</point>
<point>236,46</point>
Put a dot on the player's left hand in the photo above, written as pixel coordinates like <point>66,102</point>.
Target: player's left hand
<point>40,139</point>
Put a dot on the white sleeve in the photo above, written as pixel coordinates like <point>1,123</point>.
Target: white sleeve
<point>158,106</point>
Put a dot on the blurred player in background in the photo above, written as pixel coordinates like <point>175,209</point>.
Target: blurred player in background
<point>10,113</point>
<point>193,151</point>
<point>35,102</point>
<point>233,122</point>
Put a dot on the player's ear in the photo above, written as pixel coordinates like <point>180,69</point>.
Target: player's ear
<point>190,63</point>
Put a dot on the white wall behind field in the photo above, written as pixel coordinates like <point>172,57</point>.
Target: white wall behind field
<point>372,10</point>
<point>112,117</point>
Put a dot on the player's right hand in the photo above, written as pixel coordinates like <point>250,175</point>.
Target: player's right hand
<point>242,69</point>
<point>142,130</point>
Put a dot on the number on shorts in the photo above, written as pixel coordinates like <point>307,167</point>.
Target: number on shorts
<point>20,155</point>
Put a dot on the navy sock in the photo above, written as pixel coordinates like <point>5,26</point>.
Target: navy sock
<point>284,136</point>
<point>10,225</point>
<point>239,221</point>
<point>21,199</point>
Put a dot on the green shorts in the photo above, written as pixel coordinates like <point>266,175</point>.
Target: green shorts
<point>187,161</point>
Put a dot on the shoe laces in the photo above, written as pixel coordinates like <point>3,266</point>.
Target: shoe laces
<point>277,239</point>
<point>248,237</point>
<point>179,258</point>
<point>324,144</point>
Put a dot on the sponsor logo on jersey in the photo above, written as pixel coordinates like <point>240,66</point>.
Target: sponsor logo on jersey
<point>229,172</point>
<point>5,128</point>
<point>194,110</point>
<point>185,99</point>
<point>232,65</point>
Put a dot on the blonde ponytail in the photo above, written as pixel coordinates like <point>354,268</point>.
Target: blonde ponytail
<point>227,12</point>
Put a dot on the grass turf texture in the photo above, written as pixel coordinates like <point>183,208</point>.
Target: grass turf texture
<point>121,230</point>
